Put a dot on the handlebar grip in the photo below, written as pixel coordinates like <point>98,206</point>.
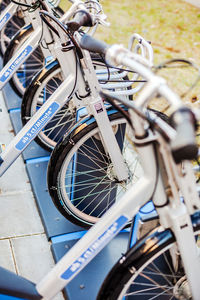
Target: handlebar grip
<point>81,18</point>
<point>184,146</point>
<point>89,43</point>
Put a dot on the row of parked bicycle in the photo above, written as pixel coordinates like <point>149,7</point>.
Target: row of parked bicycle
<point>107,151</point>
<point>83,183</point>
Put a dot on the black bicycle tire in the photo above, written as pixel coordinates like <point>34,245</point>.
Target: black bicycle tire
<point>135,259</point>
<point>61,151</point>
<point>57,157</point>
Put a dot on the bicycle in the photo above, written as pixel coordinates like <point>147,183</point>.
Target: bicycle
<point>89,130</point>
<point>23,56</point>
<point>81,78</point>
<point>164,153</point>
<point>31,22</point>
<point>49,78</point>
<point>82,179</point>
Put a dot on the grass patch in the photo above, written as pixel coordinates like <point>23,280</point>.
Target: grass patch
<point>172,26</point>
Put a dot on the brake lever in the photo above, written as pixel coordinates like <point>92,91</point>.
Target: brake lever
<point>101,19</point>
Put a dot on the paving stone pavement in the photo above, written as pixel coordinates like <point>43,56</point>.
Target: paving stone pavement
<point>24,247</point>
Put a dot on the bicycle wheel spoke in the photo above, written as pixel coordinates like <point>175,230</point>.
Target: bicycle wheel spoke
<point>89,180</point>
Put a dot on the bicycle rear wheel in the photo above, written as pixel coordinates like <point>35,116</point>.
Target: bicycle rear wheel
<point>146,271</point>
<point>81,177</point>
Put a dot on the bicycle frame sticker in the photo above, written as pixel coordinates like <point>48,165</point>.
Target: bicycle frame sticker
<point>98,106</point>
<point>37,126</point>
<point>11,69</point>
<point>4,20</point>
<point>96,246</point>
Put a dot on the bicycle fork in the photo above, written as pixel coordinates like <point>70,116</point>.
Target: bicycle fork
<point>97,108</point>
<point>108,139</point>
<point>175,214</point>
<point>182,228</point>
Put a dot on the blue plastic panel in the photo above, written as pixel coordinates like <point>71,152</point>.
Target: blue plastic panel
<point>85,286</point>
<point>54,223</point>
<point>12,100</point>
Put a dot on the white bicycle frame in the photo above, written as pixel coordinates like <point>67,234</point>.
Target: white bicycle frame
<point>12,8</point>
<point>62,95</point>
<point>174,214</point>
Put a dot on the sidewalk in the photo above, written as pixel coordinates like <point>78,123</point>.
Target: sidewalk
<point>24,248</point>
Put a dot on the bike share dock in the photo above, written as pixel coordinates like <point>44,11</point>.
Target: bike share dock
<point>25,240</point>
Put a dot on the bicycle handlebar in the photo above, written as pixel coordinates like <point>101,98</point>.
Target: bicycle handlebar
<point>89,14</point>
<point>113,53</point>
<point>81,18</point>
<point>89,43</point>
<point>184,145</point>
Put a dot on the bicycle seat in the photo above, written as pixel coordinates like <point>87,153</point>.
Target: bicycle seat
<point>15,285</point>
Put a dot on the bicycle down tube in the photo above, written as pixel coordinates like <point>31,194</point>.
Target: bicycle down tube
<point>102,232</point>
<point>36,124</point>
<point>116,218</point>
<point>19,58</point>
<point>7,14</point>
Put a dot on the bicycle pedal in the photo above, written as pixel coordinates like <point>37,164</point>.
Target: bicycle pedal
<point>2,147</point>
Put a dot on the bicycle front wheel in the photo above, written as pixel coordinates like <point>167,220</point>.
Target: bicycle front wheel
<point>81,177</point>
<point>150,270</point>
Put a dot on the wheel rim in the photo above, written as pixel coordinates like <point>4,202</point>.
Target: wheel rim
<point>87,186</point>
